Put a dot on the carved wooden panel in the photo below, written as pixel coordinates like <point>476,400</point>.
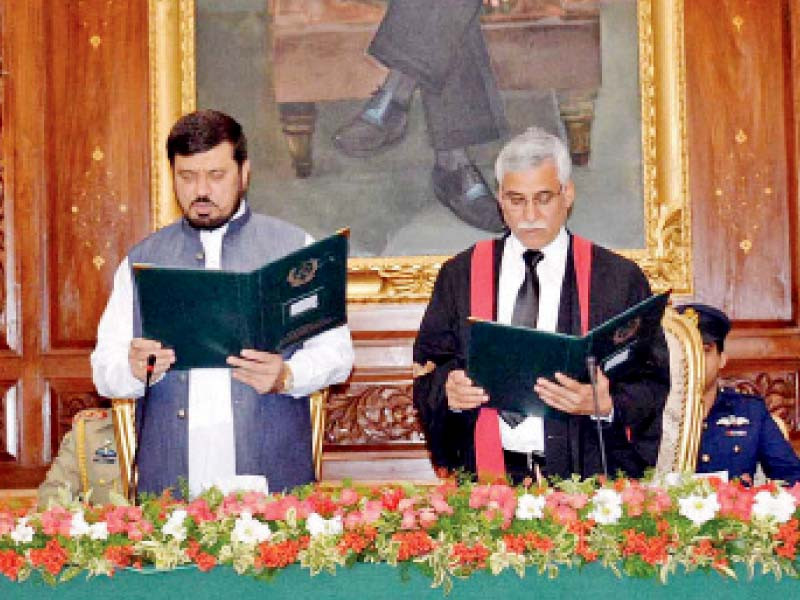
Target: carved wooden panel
<point>739,103</point>
<point>778,388</point>
<point>372,414</point>
<point>97,123</point>
<point>67,398</point>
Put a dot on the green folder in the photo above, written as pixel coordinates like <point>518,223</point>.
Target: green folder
<point>506,360</point>
<point>207,315</point>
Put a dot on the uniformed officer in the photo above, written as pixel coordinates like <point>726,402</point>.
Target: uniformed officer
<point>87,460</point>
<point>738,430</point>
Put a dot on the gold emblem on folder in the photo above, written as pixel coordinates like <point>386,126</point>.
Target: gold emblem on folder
<point>627,331</point>
<point>303,273</point>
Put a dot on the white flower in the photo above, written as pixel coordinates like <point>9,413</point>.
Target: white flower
<point>23,533</point>
<point>530,507</point>
<point>607,507</point>
<point>174,525</point>
<point>78,526</point>
<point>780,507</point>
<point>98,531</point>
<point>248,530</point>
<point>699,509</point>
<point>316,525</point>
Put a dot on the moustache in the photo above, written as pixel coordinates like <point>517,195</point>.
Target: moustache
<point>531,225</point>
<point>202,199</point>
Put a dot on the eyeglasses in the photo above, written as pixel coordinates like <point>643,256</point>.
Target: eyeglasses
<point>541,199</point>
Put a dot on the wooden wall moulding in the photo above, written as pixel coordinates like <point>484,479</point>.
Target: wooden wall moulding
<point>7,455</point>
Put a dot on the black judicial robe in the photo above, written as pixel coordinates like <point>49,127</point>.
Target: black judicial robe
<point>571,443</point>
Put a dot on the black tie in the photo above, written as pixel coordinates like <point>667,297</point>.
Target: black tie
<point>526,311</point>
<point>526,307</point>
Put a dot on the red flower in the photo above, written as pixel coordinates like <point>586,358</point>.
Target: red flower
<point>11,563</point>
<point>391,498</point>
<point>119,556</point>
<point>205,562</point>
<point>788,536</point>
<point>652,550</point>
<point>52,557</point>
<point>543,544</point>
<point>412,543</point>
<point>193,549</point>
<point>583,550</point>
<point>514,543</point>
<point>470,556</point>
<point>322,504</point>
<point>356,541</point>
<point>704,548</point>
<point>279,555</point>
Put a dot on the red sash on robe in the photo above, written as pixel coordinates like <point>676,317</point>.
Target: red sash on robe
<point>489,462</point>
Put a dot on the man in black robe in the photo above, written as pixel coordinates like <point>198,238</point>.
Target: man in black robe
<point>535,198</point>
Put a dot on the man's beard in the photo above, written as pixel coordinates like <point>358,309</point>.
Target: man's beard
<point>208,223</point>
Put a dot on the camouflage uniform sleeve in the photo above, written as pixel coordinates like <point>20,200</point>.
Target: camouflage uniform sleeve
<point>63,472</point>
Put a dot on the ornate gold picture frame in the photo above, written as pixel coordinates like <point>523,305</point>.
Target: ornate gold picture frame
<point>666,257</point>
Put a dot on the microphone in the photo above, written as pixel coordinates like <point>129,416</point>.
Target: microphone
<point>148,377</point>
<point>591,364</point>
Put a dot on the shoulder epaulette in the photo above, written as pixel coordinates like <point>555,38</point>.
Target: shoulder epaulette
<point>729,391</point>
<point>91,414</point>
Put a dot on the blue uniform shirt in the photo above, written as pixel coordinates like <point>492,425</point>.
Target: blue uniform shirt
<point>739,433</point>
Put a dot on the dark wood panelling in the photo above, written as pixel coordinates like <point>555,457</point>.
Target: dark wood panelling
<point>97,156</point>
<point>737,57</point>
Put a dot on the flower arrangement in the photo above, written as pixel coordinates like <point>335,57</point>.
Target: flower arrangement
<point>634,528</point>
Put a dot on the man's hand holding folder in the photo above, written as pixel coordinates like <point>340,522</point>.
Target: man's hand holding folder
<point>564,394</point>
<point>530,371</point>
<point>570,396</point>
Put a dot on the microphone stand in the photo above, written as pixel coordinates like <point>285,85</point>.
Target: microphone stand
<point>134,487</point>
<point>591,364</point>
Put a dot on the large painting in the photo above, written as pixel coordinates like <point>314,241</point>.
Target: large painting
<point>605,75</point>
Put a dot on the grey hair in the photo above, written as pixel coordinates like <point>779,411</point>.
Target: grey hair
<point>530,149</point>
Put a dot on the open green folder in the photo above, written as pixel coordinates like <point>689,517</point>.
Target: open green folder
<point>506,360</point>
<point>208,315</point>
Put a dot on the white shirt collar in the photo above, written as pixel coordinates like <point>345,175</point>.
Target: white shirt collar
<point>212,240</point>
<point>558,246</point>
